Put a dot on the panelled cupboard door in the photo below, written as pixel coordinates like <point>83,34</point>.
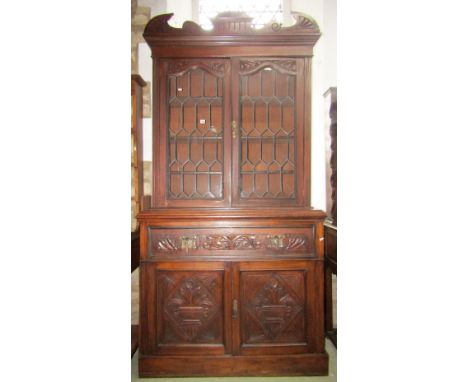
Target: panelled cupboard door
<point>192,148</point>
<point>186,309</point>
<point>278,308</point>
<point>268,131</point>
<point>239,308</point>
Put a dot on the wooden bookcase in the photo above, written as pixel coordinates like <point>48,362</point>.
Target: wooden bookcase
<point>231,252</point>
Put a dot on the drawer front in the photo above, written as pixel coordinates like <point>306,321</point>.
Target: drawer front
<point>231,241</point>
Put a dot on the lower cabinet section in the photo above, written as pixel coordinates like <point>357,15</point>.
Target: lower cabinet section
<point>232,318</point>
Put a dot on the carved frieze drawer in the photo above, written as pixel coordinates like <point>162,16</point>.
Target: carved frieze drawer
<point>231,241</point>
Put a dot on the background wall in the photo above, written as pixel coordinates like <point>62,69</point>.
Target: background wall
<point>323,73</point>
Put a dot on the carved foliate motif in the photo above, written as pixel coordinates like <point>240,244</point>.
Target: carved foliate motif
<point>249,66</point>
<point>167,245</point>
<point>191,307</point>
<point>179,66</point>
<point>295,242</point>
<point>232,242</point>
<point>273,308</point>
<point>286,242</point>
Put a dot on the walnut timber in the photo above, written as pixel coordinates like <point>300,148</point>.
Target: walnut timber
<point>232,269</point>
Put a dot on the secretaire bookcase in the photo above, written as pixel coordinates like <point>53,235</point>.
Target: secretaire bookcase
<point>231,275</point>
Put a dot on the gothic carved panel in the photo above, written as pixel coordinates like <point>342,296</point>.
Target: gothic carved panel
<point>273,307</point>
<point>250,66</point>
<point>287,242</point>
<point>179,66</point>
<point>230,242</point>
<point>191,307</point>
<point>191,243</point>
<point>167,244</point>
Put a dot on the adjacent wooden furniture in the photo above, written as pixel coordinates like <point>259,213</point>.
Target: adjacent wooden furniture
<point>331,267</point>
<point>232,262</point>
<point>137,179</point>
<point>137,147</point>
<point>135,250</point>
<point>330,229</point>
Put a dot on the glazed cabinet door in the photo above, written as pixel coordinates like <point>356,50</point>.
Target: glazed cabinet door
<point>185,309</point>
<point>277,308</point>
<point>268,131</point>
<point>192,151</point>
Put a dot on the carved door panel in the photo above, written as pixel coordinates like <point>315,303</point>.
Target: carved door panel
<point>268,136</point>
<point>278,305</point>
<point>189,309</point>
<point>193,150</point>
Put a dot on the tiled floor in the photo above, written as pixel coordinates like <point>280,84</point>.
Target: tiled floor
<point>331,377</point>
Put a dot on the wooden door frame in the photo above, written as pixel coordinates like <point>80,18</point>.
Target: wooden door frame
<point>151,316</point>
<point>313,297</point>
<point>302,155</point>
<point>160,156</point>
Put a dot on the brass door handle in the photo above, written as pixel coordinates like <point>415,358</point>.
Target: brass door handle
<point>234,129</point>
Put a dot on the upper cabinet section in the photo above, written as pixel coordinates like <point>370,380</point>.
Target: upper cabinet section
<point>232,35</point>
<point>231,124</point>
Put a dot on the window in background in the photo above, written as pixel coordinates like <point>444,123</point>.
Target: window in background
<point>262,11</point>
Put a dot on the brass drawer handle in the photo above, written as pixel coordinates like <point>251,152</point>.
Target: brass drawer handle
<point>188,243</point>
<point>277,241</point>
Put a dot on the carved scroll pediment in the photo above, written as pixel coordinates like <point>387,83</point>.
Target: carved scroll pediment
<point>231,23</point>
<point>160,25</point>
<point>303,22</point>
